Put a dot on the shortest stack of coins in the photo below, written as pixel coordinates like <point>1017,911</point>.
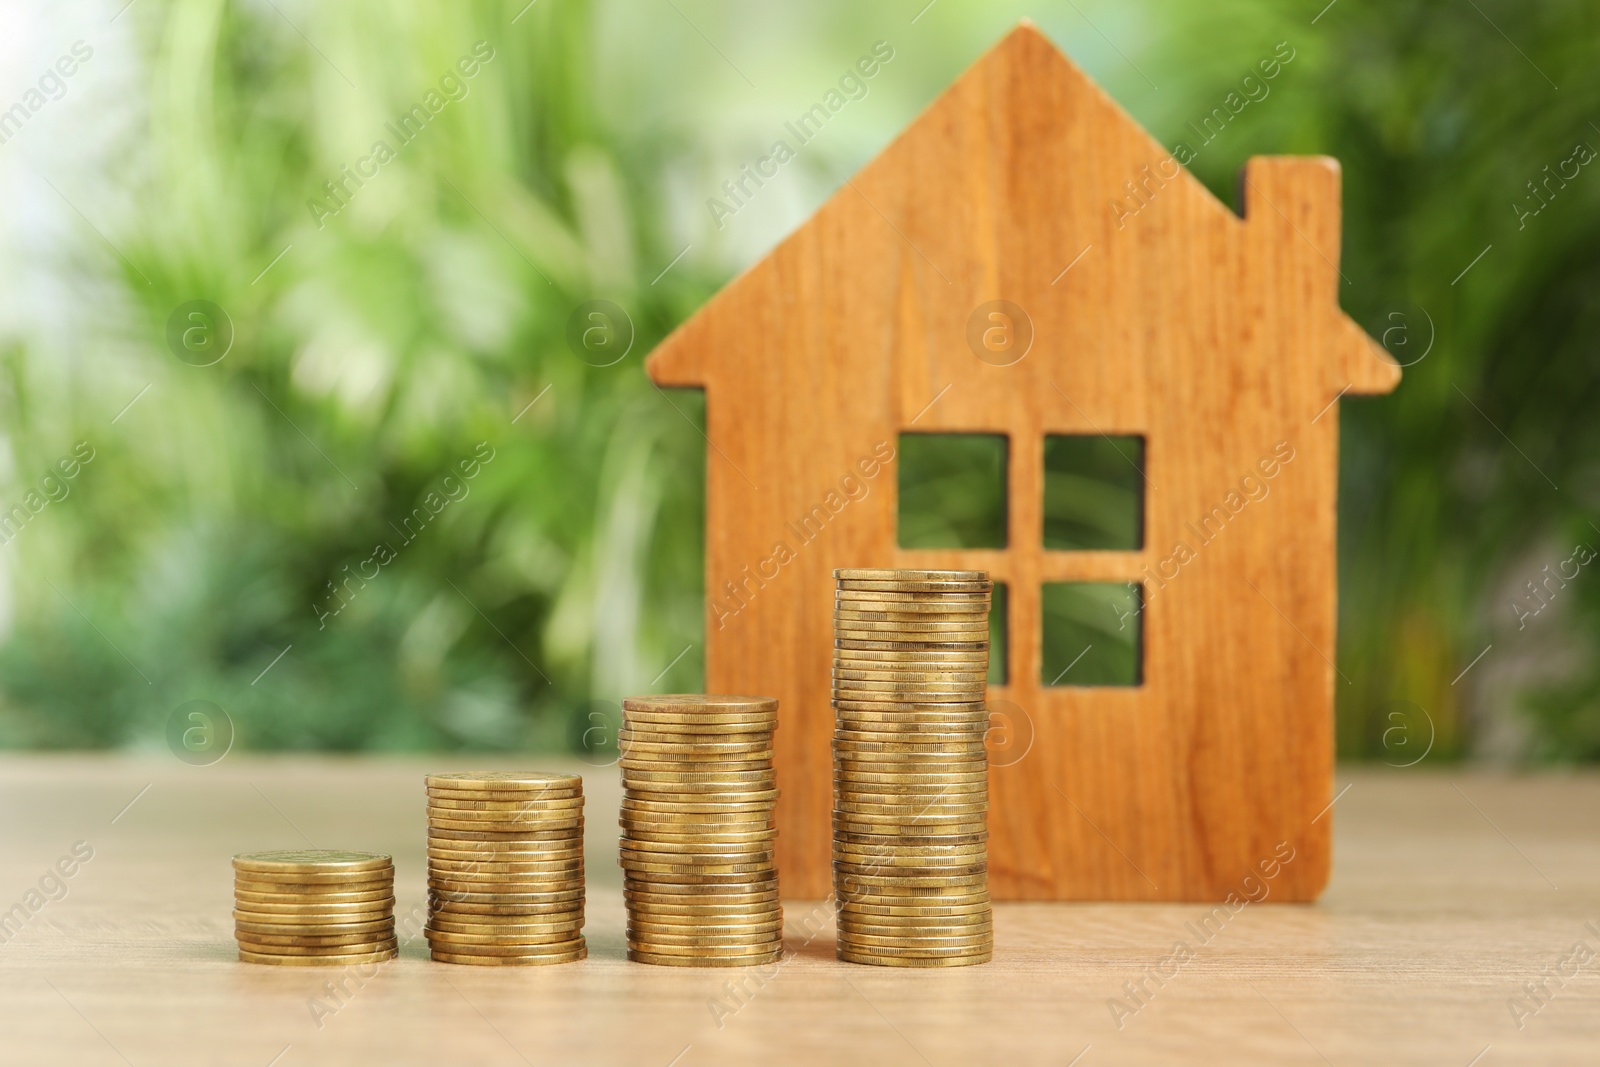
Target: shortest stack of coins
<point>910,772</point>
<point>313,907</point>
<point>700,879</point>
<point>505,868</point>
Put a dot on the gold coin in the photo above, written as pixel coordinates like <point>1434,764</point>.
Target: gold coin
<point>493,927</point>
<point>911,603</point>
<point>682,737</point>
<point>890,866</point>
<point>529,912</point>
<point>940,850</point>
<point>504,890</point>
<point>387,945</point>
<point>311,861</point>
<point>536,844</point>
<point>446,860</point>
<point>867,904</point>
<point>507,882</point>
<point>895,947</point>
<point>972,737</point>
<point>867,911</point>
<point>530,781</point>
<point>566,855</point>
<point>977,676</point>
<point>698,771</point>
<point>932,823</point>
<point>977,937</point>
<point>909,692</point>
<point>455,808</point>
<point>742,794</point>
<point>306,924</point>
<point>977,669</point>
<point>668,827</point>
<point>757,960</point>
<point>889,574</point>
<point>978,917</point>
<point>706,862</point>
<point>296,912</point>
<point>340,960</point>
<point>699,946</point>
<point>711,915</point>
<point>337,943</point>
<point>653,719</point>
<point>910,835</point>
<point>639,753</point>
<point>644,859</point>
<point>507,803</point>
<point>920,797</point>
<point>849,659</point>
<point>887,644</point>
<point>901,789</point>
<point>847,889</point>
<point>253,926</point>
<point>977,618</point>
<point>966,730</point>
<point>559,863</point>
<point>683,926</point>
<point>571,956</point>
<point>742,890</point>
<point>921,830</point>
<point>329,891</point>
<point>549,919</point>
<point>751,776</point>
<point>693,702</point>
<point>556,940</point>
<point>450,837</point>
<point>908,757</point>
<point>659,896</point>
<point>902,825</point>
<point>949,881</point>
<point>922,706</point>
<point>929,961</point>
<point>732,951</point>
<point>977,931</point>
<point>315,880</point>
<point>868,772</point>
<point>911,756</point>
<point>548,829</point>
<point>697,845</point>
<point>908,631</point>
<point>931,585</point>
<point>251,896</point>
<point>558,893</point>
<point>756,811</point>
<point>726,871</point>
<point>925,872</point>
<point>567,944</point>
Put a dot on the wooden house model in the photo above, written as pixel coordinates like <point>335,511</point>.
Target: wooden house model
<point>979,277</point>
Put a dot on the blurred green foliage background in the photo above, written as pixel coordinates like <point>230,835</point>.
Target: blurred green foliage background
<point>377,346</point>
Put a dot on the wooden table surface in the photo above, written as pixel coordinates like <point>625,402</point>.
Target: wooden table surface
<point>1450,893</point>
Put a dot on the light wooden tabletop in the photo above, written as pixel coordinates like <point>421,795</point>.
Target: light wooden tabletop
<point>1450,894</point>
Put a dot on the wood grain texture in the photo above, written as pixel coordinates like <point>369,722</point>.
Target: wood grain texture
<point>1429,929</point>
<point>1217,338</point>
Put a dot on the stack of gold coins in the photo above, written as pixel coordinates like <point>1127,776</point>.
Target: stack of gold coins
<point>910,831</point>
<point>505,868</point>
<point>700,879</point>
<point>313,907</point>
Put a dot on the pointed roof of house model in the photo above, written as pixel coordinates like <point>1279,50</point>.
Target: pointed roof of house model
<point>1051,99</point>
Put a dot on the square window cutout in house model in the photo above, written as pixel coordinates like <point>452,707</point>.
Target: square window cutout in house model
<point>970,358</point>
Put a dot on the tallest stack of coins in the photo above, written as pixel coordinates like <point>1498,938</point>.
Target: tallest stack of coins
<point>701,882</point>
<point>911,776</point>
